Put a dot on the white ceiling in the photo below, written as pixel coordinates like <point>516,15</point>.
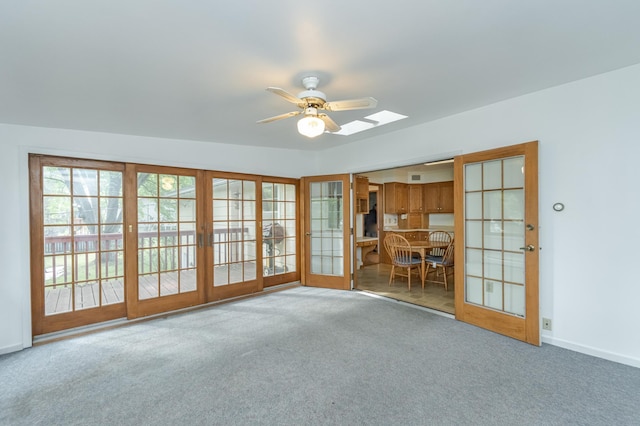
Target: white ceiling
<point>197,69</point>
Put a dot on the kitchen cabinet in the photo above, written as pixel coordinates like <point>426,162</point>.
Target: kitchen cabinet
<point>415,199</point>
<point>438,197</point>
<point>362,194</point>
<point>396,197</point>
<point>410,236</point>
<point>423,236</point>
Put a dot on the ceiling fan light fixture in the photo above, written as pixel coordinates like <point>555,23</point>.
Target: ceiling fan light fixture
<point>310,126</point>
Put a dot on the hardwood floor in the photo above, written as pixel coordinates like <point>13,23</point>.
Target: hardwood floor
<point>375,279</point>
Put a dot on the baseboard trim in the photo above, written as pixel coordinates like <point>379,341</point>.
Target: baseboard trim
<point>588,350</point>
<point>9,349</point>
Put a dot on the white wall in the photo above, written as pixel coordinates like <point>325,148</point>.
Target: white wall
<point>16,142</point>
<point>589,152</point>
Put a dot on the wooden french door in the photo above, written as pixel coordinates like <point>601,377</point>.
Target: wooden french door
<point>77,243</point>
<point>233,235</point>
<point>496,240</point>
<point>164,239</point>
<point>326,242</point>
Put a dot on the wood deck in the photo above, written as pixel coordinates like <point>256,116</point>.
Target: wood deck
<point>58,299</point>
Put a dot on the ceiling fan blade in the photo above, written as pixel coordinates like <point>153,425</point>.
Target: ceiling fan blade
<point>280,117</point>
<point>329,124</point>
<point>361,103</point>
<point>288,96</point>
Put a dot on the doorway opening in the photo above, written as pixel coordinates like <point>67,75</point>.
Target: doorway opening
<point>408,202</point>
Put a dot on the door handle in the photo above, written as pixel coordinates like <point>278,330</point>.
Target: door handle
<point>530,247</point>
<point>308,234</point>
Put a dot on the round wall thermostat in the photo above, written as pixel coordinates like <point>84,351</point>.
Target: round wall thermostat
<point>558,207</point>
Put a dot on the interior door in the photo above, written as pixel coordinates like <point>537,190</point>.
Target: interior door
<point>496,234</point>
<point>164,239</point>
<point>326,242</point>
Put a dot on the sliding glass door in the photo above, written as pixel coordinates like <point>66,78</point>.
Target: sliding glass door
<point>162,238</point>
<point>77,244</point>
<point>280,262</point>
<point>232,235</point>
<point>113,240</point>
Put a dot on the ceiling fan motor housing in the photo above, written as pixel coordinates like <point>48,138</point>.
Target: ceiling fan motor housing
<point>313,98</point>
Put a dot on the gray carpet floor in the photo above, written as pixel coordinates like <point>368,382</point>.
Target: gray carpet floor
<point>307,356</point>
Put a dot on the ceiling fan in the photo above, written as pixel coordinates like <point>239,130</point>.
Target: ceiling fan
<point>310,102</point>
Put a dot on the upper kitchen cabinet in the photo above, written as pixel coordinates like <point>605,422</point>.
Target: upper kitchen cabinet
<point>362,194</point>
<point>396,197</point>
<point>438,197</point>
<point>415,199</point>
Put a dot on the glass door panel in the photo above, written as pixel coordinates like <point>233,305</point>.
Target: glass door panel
<point>233,235</point>
<point>82,208</point>
<point>495,218</point>
<point>166,234</point>
<point>327,228</point>
<point>279,232</point>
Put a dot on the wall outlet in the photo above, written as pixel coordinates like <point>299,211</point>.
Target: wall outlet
<point>546,324</point>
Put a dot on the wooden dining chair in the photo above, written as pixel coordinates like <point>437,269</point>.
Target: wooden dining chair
<point>399,251</point>
<point>445,264</point>
<point>439,237</point>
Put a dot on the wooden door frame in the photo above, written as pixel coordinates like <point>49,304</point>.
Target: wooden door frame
<point>139,308</point>
<point>40,322</point>
<point>287,277</point>
<point>242,288</point>
<point>527,329</point>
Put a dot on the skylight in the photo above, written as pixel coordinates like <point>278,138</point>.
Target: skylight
<point>369,122</point>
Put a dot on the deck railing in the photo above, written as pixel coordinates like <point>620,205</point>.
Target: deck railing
<point>227,244</point>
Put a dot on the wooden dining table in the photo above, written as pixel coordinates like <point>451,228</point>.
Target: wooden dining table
<point>423,247</point>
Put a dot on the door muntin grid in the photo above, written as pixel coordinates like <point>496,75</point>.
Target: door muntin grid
<point>279,202</point>
<point>494,235</point>
<point>83,241</point>
<point>233,238</point>
<point>166,209</point>
<point>327,228</point>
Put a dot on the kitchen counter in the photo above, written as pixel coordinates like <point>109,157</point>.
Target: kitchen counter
<point>449,229</point>
<point>364,246</point>
<point>364,241</point>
